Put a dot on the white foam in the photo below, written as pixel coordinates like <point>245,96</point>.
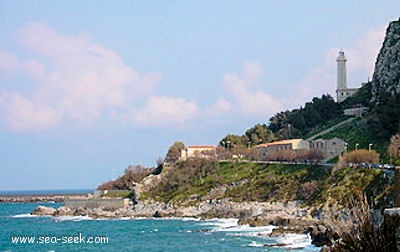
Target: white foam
<point>255,244</point>
<point>72,218</point>
<point>247,229</point>
<point>231,228</point>
<point>175,218</point>
<point>296,241</point>
<point>222,223</point>
<point>26,215</point>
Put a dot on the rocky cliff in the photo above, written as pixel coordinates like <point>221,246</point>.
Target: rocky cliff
<point>386,78</point>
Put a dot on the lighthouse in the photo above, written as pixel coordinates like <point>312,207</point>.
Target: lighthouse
<point>342,91</point>
<point>341,71</point>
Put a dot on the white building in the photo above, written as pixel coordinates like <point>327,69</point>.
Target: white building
<point>342,91</point>
<point>289,144</point>
<point>198,151</point>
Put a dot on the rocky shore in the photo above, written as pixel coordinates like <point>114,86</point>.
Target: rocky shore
<point>288,217</point>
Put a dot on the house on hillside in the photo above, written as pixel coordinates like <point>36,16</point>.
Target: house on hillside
<point>329,147</point>
<point>268,149</point>
<point>198,151</point>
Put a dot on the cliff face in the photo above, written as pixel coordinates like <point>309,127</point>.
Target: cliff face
<point>386,78</point>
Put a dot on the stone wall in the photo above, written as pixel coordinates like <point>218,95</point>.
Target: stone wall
<point>106,204</point>
<point>358,112</point>
<point>109,193</point>
<point>392,223</point>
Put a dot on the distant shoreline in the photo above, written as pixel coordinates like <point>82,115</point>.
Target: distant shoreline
<point>45,192</point>
<point>43,195</point>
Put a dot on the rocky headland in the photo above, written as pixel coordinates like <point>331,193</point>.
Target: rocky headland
<point>288,217</point>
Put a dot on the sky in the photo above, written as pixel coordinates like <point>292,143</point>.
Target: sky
<point>88,88</point>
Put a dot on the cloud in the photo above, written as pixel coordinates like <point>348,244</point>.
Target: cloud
<point>22,114</point>
<point>246,99</point>
<point>162,110</point>
<point>362,55</point>
<point>8,62</point>
<point>76,81</point>
<point>222,106</point>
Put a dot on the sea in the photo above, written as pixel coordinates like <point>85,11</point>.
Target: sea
<point>21,231</point>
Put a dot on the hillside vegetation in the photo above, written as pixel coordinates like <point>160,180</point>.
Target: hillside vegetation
<point>198,179</point>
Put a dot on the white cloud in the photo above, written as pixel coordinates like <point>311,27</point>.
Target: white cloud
<point>222,106</point>
<point>8,62</point>
<point>22,114</point>
<point>77,80</point>
<point>362,55</point>
<point>246,98</point>
<point>163,110</point>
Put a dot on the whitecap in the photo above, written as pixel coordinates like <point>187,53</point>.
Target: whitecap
<point>175,218</point>
<point>221,223</point>
<point>25,215</point>
<point>255,244</point>
<point>296,241</point>
<point>72,218</point>
<point>246,229</point>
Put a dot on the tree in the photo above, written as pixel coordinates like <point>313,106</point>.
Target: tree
<point>174,152</point>
<point>384,121</point>
<point>314,155</point>
<point>278,121</point>
<point>132,175</point>
<point>394,147</point>
<point>299,122</point>
<point>222,153</point>
<point>231,141</point>
<point>363,156</point>
<point>258,134</point>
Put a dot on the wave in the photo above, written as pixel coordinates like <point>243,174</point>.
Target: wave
<point>256,244</point>
<point>289,241</point>
<point>72,218</point>
<point>171,218</point>
<point>25,215</point>
<point>296,241</point>
<point>232,227</point>
<point>221,223</point>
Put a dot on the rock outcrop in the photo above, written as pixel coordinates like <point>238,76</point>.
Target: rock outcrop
<point>386,78</point>
<point>43,210</point>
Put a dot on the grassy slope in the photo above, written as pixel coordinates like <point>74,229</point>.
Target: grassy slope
<point>193,180</point>
<point>356,132</point>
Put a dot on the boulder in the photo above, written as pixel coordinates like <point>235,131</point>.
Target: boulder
<point>321,235</point>
<point>280,221</point>
<point>63,211</point>
<point>257,221</point>
<point>314,213</point>
<point>80,211</point>
<point>43,210</point>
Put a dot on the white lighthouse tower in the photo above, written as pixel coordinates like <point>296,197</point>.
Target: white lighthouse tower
<point>342,92</point>
<point>341,71</point>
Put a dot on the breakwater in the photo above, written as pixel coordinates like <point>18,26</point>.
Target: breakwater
<point>39,197</point>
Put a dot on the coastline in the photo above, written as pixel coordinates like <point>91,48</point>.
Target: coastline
<point>11,197</point>
<point>220,233</point>
<point>286,217</point>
